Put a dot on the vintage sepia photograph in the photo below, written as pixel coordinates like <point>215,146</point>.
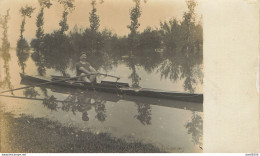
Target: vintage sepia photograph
<point>101,76</point>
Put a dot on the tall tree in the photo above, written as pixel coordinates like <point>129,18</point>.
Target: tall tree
<point>23,48</point>
<point>135,13</point>
<point>25,12</point>
<point>189,31</point>
<point>190,16</point>
<point>94,18</point>
<point>94,25</point>
<point>37,43</point>
<point>40,18</point>
<point>171,36</point>
<point>4,49</point>
<point>183,49</point>
<point>68,7</point>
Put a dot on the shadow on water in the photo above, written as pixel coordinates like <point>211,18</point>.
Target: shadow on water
<point>27,134</point>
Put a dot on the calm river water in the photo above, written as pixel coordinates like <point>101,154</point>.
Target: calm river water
<point>53,119</point>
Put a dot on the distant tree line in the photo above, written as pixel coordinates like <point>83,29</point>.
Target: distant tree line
<point>175,47</point>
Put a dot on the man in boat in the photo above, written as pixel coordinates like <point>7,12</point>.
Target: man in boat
<point>84,69</point>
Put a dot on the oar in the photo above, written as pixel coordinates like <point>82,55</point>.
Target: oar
<point>21,97</point>
<point>117,78</point>
<point>41,99</point>
<point>37,99</point>
<point>39,84</point>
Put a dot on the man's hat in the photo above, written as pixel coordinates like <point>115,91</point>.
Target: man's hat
<point>83,55</point>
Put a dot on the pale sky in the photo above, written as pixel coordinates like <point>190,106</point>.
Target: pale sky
<point>114,15</point>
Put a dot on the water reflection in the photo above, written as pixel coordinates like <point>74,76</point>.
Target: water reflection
<point>174,51</point>
<point>23,47</point>
<point>180,63</point>
<point>30,93</point>
<point>55,45</point>
<point>144,113</point>
<point>100,110</point>
<point>4,52</point>
<point>50,103</point>
<point>134,76</point>
<point>153,116</point>
<point>82,103</point>
<point>182,51</point>
<point>195,127</point>
<point>37,44</point>
<point>75,95</point>
<point>44,92</point>
<point>76,101</point>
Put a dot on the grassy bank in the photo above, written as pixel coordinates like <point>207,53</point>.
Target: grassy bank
<point>39,135</point>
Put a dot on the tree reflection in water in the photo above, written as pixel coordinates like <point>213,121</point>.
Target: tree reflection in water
<point>30,93</point>
<point>195,127</point>
<point>100,110</point>
<point>23,49</point>
<point>38,43</point>
<point>82,103</point>
<point>55,45</point>
<point>144,113</point>
<point>51,103</point>
<point>138,45</point>
<point>44,92</point>
<point>4,51</point>
<point>134,76</point>
<point>183,54</point>
<point>174,50</point>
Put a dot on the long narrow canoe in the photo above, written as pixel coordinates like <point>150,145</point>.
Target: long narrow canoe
<point>105,96</point>
<point>117,88</point>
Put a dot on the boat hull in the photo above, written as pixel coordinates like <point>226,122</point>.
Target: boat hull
<point>120,88</point>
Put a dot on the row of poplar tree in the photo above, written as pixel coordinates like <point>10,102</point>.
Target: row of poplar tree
<point>175,47</point>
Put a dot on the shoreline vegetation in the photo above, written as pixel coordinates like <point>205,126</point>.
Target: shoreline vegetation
<point>174,49</point>
<point>27,134</point>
